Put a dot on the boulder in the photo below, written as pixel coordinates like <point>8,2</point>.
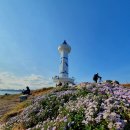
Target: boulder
<point>23,98</point>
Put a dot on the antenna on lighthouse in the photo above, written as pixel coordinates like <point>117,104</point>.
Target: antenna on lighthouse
<point>64,49</point>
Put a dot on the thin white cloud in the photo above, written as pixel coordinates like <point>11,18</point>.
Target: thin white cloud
<point>10,81</point>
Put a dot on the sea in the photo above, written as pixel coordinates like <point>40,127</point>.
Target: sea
<point>3,92</point>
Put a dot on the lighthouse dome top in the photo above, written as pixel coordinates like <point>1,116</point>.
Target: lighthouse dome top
<point>64,47</point>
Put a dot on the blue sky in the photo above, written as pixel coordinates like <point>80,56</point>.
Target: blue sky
<point>97,31</point>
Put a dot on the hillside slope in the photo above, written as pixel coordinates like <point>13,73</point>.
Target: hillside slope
<point>85,107</point>
<point>10,105</point>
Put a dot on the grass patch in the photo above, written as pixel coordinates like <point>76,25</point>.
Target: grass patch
<point>126,85</point>
<point>9,97</point>
<point>19,126</point>
<point>16,110</point>
<point>41,91</point>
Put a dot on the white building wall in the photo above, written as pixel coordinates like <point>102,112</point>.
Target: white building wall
<point>64,65</point>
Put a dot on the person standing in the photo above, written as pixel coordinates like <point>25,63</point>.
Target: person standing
<point>96,77</point>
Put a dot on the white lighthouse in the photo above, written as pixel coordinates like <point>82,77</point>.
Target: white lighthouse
<point>64,49</point>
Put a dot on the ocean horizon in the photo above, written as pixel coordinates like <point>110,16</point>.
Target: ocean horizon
<point>3,92</point>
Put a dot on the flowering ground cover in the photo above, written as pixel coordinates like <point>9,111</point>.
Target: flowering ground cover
<point>84,107</point>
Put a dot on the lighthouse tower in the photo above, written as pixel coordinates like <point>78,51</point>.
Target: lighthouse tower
<point>64,49</point>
